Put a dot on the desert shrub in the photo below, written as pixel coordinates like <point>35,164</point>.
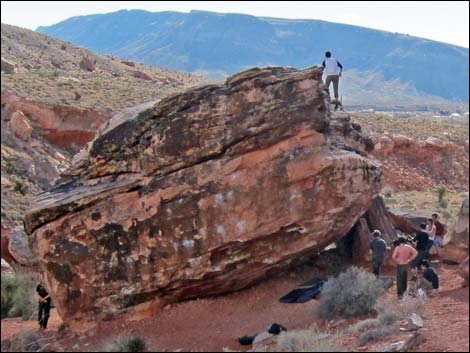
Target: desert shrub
<point>20,187</point>
<point>19,295</point>
<point>366,325</point>
<point>23,341</point>
<point>306,341</point>
<point>354,292</point>
<point>376,334</point>
<point>390,309</point>
<point>388,318</point>
<point>127,344</point>
<point>441,193</point>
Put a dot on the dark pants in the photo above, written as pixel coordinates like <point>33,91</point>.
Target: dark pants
<point>43,313</point>
<point>402,280</point>
<point>422,255</point>
<point>376,264</point>
<point>335,80</point>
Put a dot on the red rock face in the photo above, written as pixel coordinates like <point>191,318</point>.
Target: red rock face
<point>6,255</point>
<point>422,164</point>
<point>65,127</point>
<point>203,194</point>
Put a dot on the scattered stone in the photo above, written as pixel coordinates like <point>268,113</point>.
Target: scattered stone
<point>8,67</point>
<point>404,346</point>
<point>7,270</point>
<point>415,322</point>
<point>87,65</point>
<point>142,75</point>
<point>55,63</point>
<point>128,63</point>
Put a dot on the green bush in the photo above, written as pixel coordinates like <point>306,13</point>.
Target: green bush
<point>19,297</point>
<point>20,187</point>
<point>132,344</point>
<point>441,193</point>
<point>352,293</point>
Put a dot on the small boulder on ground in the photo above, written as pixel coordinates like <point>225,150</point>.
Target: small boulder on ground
<point>128,63</point>
<point>415,322</point>
<point>9,67</point>
<point>87,65</point>
<point>142,75</point>
<point>20,126</point>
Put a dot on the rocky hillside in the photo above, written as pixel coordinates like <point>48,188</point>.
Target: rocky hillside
<point>220,44</point>
<point>51,71</point>
<point>204,193</point>
<point>54,98</point>
<point>419,153</point>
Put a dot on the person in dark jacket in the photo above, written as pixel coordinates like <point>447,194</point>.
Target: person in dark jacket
<point>422,240</point>
<point>44,307</point>
<point>378,248</point>
<point>430,274</point>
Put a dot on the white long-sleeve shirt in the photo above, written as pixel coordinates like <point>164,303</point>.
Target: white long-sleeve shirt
<point>332,66</point>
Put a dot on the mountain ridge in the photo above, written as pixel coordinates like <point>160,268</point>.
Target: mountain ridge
<point>221,44</point>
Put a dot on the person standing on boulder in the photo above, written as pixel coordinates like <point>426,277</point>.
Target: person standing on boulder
<point>402,256</point>
<point>44,306</point>
<point>378,247</point>
<point>333,70</point>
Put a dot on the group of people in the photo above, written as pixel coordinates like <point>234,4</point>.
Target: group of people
<point>431,235</point>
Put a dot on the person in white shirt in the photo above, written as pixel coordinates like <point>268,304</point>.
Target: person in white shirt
<point>431,230</point>
<point>333,70</point>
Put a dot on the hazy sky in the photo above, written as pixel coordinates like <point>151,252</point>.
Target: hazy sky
<point>445,21</point>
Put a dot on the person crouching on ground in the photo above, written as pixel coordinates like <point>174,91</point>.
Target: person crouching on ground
<point>378,248</point>
<point>44,306</point>
<point>422,240</point>
<point>430,278</point>
<point>403,255</point>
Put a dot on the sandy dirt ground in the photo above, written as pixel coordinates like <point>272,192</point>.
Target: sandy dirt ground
<point>215,323</point>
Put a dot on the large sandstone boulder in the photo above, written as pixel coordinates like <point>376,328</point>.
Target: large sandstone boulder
<point>19,248</point>
<point>460,234</point>
<point>457,242</point>
<point>202,194</point>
